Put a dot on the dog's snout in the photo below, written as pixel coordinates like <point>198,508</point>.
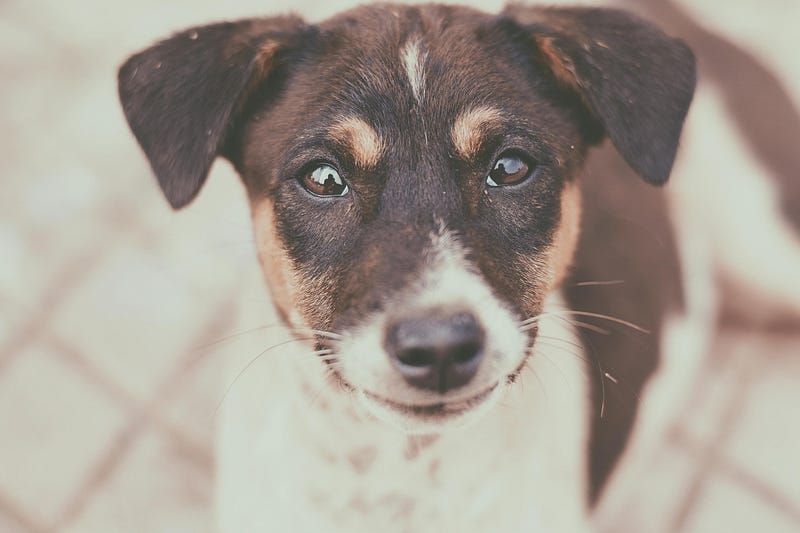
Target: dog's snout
<point>437,352</point>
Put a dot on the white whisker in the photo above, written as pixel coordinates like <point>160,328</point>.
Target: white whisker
<point>239,334</point>
<point>248,365</point>
<point>600,283</point>
<point>609,318</point>
<point>590,327</point>
<point>576,323</point>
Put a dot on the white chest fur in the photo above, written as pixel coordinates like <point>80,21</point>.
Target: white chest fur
<point>297,455</point>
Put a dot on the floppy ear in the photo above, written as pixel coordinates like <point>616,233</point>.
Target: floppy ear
<point>636,81</point>
<point>182,95</point>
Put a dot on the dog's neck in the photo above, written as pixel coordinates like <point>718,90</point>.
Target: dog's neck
<point>329,462</point>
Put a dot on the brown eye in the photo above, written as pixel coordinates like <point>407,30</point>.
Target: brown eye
<point>324,180</point>
<point>508,170</point>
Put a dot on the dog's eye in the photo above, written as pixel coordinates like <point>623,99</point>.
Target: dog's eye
<point>324,180</point>
<point>510,169</point>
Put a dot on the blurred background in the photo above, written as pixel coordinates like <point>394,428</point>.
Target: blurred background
<point>117,316</point>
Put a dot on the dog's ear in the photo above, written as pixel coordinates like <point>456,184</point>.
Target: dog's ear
<point>635,81</point>
<point>182,95</point>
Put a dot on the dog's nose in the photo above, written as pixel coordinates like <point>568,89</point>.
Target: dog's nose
<point>436,352</point>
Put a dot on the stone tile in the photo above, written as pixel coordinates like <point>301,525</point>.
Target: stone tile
<point>12,315</point>
<point>652,500</point>
<point>7,525</point>
<point>137,315</point>
<point>722,384</point>
<point>717,384</point>
<point>731,508</point>
<point>156,489</point>
<point>22,278</point>
<point>40,259</point>
<point>54,427</point>
<point>768,434</point>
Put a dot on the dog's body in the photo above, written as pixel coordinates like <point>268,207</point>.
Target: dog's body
<point>475,346</point>
<point>297,455</point>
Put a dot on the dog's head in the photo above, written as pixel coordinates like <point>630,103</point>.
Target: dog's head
<point>412,172</point>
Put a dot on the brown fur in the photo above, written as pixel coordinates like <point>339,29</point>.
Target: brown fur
<point>272,256</point>
<point>304,301</point>
<point>567,235</point>
<point>560,65</point>
<point>362,459</point>
<point>265,57</point>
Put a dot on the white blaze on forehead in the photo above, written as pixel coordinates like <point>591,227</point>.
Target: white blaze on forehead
<point>413,57</point>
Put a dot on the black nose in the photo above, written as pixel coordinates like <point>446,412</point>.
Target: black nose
<point>438,351</point>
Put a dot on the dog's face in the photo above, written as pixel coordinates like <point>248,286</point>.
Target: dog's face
<point>420,220</point>
<point>412,173</point>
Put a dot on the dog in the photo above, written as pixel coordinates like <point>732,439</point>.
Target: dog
<point>483,309</point>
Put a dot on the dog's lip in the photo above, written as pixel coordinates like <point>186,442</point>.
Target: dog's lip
<point>449,407</point>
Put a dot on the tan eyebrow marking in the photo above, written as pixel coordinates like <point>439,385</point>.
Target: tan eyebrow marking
<point>364,142</point>
<point>470,128</point>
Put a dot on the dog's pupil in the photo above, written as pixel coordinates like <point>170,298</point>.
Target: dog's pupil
<point>330,186</point>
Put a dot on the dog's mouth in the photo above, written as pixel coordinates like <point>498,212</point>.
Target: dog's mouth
<point>438,409</point>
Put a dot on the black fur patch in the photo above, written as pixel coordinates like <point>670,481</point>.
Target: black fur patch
<point>182,96</point>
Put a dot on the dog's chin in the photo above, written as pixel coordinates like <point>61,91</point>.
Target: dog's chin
<point>431,417</point>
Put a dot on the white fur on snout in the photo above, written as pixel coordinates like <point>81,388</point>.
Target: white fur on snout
<point>446,280</point>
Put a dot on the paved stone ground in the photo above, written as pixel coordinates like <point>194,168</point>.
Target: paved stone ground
<point>116,315</point>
